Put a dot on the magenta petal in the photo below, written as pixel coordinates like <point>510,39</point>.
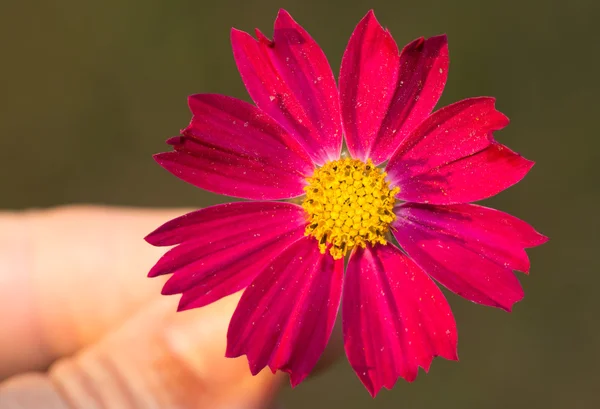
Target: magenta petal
<point>384,96</point>
<point>421,81</point>
<point>285,317</point>
<point>291,80</point>
<point>233,148</point>
<point>368,78</point>
<point>223,247</point>
<point>221,222</point>
<point>491,233</point>
<point>395,318</point>
<point>452,156</point>
<point>470,249</point>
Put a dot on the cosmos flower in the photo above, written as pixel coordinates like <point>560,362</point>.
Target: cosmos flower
<point>325,221</point>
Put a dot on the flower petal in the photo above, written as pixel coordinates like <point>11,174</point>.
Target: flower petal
<point>421,80</point>
<point>395,318</point>
<point>233,148</point>
<point>470,249</point>
<point>286,316</point>
<point>380,110</point>
<point>291,80</point>
<point>453,158</point>
<point>368,78</point>
<point>224,247</point>
<point>491,233</point>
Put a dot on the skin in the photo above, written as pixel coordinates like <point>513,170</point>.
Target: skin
<point>82,326</point>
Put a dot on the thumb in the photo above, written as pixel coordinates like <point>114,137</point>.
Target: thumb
<point>156,359</point>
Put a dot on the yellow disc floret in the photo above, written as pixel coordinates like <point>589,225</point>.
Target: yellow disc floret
<point>349,203</point>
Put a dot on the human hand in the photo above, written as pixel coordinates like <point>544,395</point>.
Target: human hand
<point>75,302</point>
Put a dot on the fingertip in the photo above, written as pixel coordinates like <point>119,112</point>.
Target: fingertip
<point>69,274</point>
<point>31,391</point>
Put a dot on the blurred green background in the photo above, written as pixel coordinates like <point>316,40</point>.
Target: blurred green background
<point>91,89</point>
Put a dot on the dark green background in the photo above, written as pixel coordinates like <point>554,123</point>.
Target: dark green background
<point>89,90</point>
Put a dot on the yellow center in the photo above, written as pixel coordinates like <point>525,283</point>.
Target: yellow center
<point>349,203</point>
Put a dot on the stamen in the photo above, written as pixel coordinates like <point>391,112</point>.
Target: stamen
<point>349,203</point>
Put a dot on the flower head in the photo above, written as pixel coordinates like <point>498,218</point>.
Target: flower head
<point>348,203</point>
<point>406,182</point>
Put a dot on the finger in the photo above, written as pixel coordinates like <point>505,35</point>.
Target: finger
<point>57,306</point>
<point>69,274</point>
<point>158,358</point>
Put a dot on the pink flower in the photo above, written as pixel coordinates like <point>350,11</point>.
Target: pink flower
<point>409,175</point>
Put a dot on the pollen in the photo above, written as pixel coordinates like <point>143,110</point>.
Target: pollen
<point>348,203</point>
